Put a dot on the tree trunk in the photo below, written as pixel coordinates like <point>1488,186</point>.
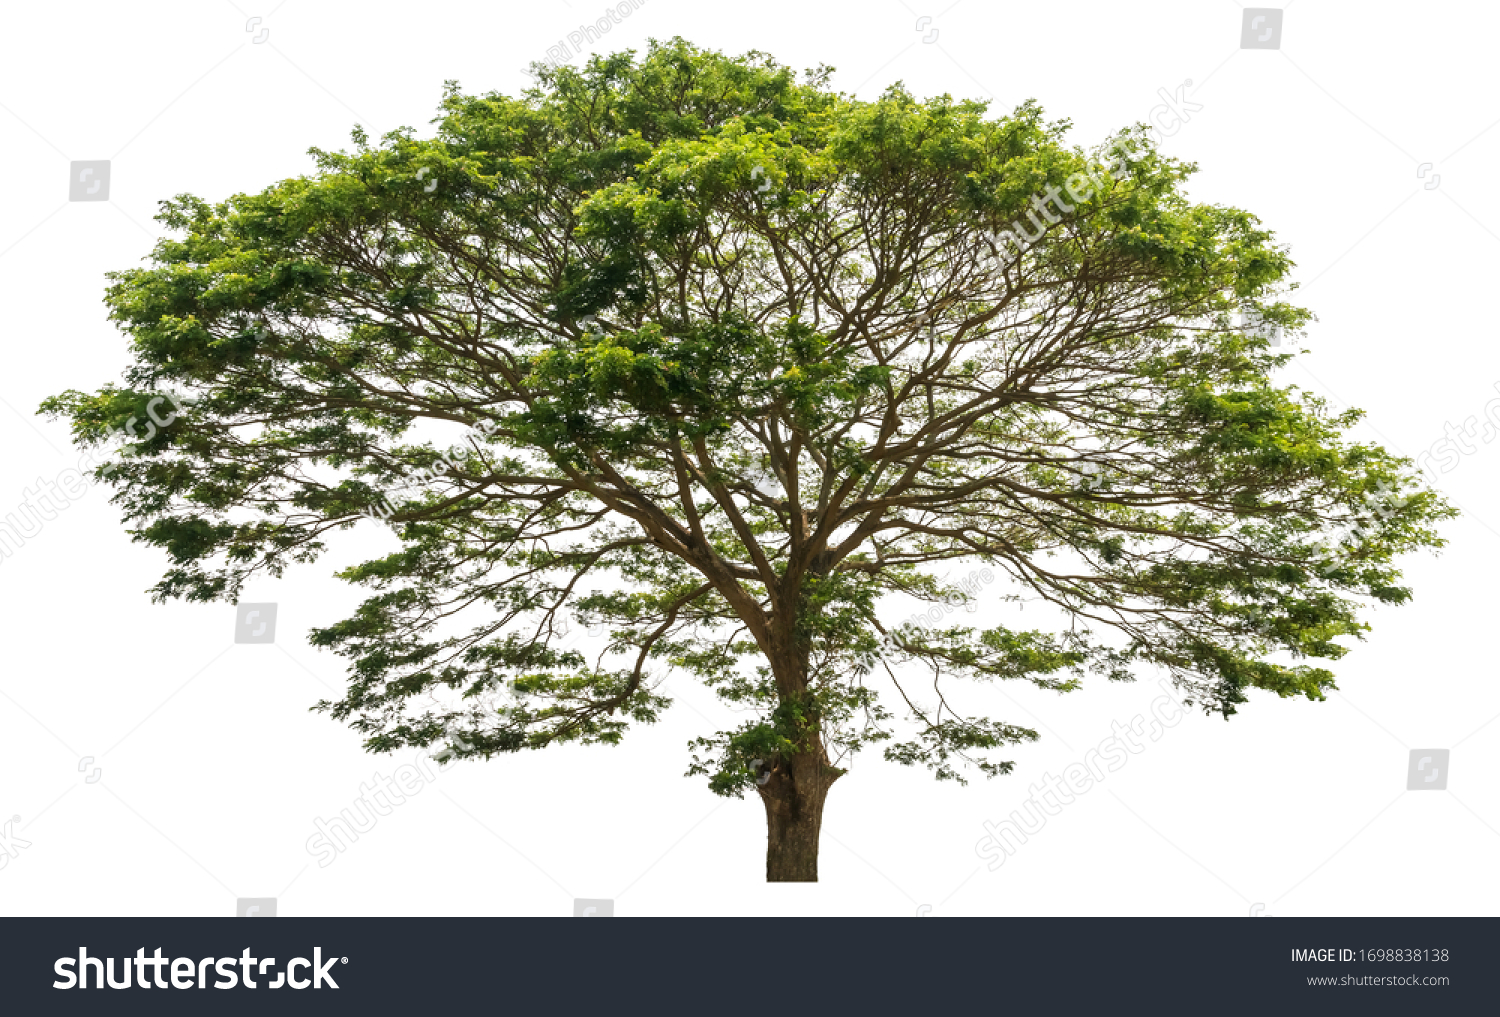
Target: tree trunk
<point>794,797</point>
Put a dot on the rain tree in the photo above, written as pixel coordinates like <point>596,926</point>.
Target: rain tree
<point>737,369</point>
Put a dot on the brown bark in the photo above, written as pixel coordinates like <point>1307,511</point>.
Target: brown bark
<point>794,797</point>
<point>797,783</point>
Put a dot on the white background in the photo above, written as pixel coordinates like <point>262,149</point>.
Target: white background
<point>212,770</point>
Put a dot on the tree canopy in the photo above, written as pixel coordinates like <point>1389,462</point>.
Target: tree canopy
<point>730,358</point>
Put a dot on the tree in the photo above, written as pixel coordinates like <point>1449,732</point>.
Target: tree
<point>737,357</point>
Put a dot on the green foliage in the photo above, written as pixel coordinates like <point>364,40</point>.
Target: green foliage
<point>735,359</point>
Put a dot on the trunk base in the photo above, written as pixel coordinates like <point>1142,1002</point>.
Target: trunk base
<point>794,797</point>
